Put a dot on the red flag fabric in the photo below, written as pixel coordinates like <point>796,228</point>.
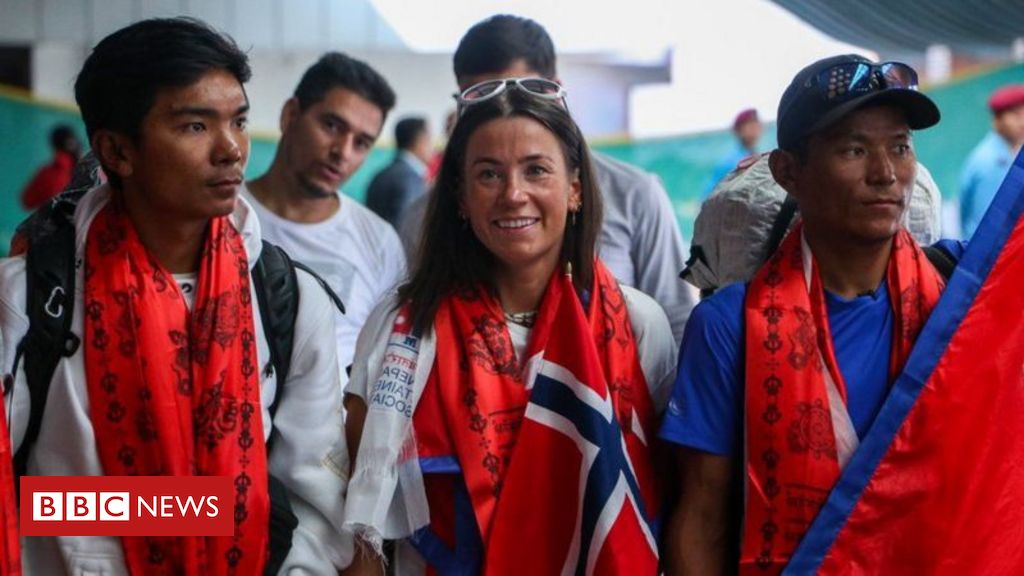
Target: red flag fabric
<point>553,456</point>
<point>573,476</point>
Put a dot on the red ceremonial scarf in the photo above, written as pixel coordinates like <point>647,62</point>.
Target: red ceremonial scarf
<point>10,547</point>
<point>475,398</point>
<point>797,437</point>
<point>174,393</point>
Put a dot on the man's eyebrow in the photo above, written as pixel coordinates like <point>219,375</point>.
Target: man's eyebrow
<point>333,117</point>
<point>205,112</point>
<point>341,120</point>
<point>863,136</point>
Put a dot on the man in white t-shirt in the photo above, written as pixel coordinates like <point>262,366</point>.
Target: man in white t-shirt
<point>327,129</point>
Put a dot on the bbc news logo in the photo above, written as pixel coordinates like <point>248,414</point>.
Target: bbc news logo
<point>127,506</point>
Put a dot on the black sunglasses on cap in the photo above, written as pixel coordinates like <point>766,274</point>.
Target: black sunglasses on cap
<point>844,82</point>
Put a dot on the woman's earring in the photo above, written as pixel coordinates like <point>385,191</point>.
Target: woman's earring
<point>574,217</point>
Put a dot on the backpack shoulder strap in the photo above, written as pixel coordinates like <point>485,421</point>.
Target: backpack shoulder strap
<point>780,225</point>
<point>277,295</point>
<point>50,297</point>
<point>335,299</point>
<point>941,259</point>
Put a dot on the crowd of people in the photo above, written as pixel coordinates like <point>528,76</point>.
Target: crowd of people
<point>526,387</point>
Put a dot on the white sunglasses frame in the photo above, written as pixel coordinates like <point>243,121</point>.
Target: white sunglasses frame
<point>464,103</point>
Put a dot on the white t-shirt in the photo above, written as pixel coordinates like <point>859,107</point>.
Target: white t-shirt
<point>355,251</point>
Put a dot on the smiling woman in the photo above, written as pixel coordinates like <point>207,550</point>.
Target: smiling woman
<point>518,193</point>
<point>508,281</point>
<point>515,198</point>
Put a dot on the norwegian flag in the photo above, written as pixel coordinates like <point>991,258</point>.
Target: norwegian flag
<point>937,485</point>
<point>572,478</point>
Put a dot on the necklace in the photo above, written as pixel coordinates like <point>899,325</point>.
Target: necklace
<point>524,319</point>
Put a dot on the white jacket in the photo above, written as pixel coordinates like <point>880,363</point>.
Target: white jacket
<point>310,456</point>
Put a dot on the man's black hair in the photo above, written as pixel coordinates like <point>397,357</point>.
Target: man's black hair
<point>61,137</point>
<point>497,42</point>
<point>407,130</point>
<point>120,79</point>
<point>337,70</point>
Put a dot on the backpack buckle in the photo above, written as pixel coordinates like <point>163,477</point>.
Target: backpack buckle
<point>56,297</point>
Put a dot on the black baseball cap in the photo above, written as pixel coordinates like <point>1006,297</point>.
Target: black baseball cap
<point>812,103</point>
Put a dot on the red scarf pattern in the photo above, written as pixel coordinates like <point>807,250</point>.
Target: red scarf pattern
<point>174,393</point>
<point>792,458</point>
<point>474,401</point>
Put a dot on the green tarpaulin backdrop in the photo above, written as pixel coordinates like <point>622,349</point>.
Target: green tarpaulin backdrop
<point>683,163</point>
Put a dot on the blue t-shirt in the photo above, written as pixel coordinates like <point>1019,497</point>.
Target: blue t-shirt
<point>706,409</point>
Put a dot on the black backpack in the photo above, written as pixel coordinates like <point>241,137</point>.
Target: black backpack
<point>50,282</point>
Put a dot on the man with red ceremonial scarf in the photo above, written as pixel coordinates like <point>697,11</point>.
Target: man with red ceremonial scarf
<point>779,379</point>
<point>173,374</point>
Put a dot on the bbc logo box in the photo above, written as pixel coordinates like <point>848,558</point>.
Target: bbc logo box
<point>81,506</point>
<point>127,506</point>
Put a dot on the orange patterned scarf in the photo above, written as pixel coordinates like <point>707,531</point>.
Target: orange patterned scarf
<point>174,393</point>
<point>798,431</point>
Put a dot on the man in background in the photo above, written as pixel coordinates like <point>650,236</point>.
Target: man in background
<point>991,158</point>
<point>50,179</point>
<point>747,128</point>
<point>328,128</point>
<point>399,184</point>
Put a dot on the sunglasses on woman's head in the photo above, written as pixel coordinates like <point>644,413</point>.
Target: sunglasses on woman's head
<point>483,91</point>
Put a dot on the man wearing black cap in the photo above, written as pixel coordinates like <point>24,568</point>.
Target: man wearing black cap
<point>779,379</point>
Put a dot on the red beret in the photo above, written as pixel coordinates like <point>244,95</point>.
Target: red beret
<point>1006,98</point>
<point>743,117</point>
